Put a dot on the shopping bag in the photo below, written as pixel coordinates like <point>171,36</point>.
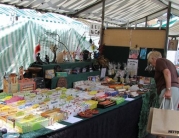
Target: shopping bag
<point>173,44</point>
<point>165,121</point>
<point>148,128</point>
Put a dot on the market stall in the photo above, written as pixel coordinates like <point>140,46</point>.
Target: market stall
<point>124,111</point>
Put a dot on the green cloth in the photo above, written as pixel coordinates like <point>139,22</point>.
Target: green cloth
<point>150,99</point>
<point>65,65</point>
<point>73,78</point>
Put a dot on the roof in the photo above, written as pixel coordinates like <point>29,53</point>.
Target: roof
<point>174,30</point>
<point>117,12</point>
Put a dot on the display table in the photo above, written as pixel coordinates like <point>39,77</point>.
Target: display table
<point>127,120</point>
<point>73,78</point>
<point>119,121</point>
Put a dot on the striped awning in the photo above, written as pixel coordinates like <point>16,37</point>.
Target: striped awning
<point>174,30</point>
<point>117,12</point>
<point>36,15</point>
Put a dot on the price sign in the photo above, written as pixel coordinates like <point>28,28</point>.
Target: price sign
<point>94,29</point>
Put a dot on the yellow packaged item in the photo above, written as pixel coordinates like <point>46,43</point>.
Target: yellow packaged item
<point>54,115</point>
<point>92,104</point>
<point>92,92</point>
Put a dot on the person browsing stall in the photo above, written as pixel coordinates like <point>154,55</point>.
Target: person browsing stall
<point>166,78</point>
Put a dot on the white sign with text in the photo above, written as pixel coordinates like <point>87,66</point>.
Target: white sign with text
<point>94,29</point>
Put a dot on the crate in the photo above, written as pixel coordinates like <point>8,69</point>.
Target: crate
<point>10,84</point>
<point>27,84</point>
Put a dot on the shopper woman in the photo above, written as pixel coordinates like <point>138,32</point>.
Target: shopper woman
<point>166,78</point>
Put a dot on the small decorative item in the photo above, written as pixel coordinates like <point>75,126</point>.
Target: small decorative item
<point>21,73</point>
<point>73,55</point>
<point>59,57</point>
<point>81,56</point>
<point>47,59</point>
<point>96,65</point>
<point>57,68</point>
<point>149,68</point>
<point>65,57</point>
<point>40,82</point>
<point>54,48</point>
<point>86,55</point>
<point>62,82</point>
<point>96,54</point>
<point>38,60</point>
<point>76,70</point>
<point>103,61</point>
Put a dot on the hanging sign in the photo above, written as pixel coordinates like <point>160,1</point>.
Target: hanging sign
<point>172,45</point>
<point>94,29</point>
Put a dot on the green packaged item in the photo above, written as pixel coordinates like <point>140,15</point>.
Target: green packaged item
<point>4,94</point>
<point>118,99</point>
<point>61,74</point>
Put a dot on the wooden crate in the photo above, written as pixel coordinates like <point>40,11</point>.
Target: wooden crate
<point>27,84</point>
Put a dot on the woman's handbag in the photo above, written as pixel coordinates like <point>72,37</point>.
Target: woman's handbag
<point>163,121</point>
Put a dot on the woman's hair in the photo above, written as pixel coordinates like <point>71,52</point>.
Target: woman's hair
<point>154,54</point>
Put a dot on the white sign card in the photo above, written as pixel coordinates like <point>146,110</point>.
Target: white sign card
<point>103,73</point>
<point>56,126</point>
<point>132,66</point>
<point>72,119</point>
<point>94,29</point>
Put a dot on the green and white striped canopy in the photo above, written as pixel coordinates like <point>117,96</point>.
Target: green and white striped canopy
<point>19,38</point>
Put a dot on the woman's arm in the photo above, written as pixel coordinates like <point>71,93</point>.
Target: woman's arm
<point>167,76</point>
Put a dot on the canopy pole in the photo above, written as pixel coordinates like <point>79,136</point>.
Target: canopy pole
<point>146,19</point>
<point>167,29</point>
<point>102,26</point>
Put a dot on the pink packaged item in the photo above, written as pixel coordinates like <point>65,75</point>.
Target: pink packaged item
<point>14,99</point>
